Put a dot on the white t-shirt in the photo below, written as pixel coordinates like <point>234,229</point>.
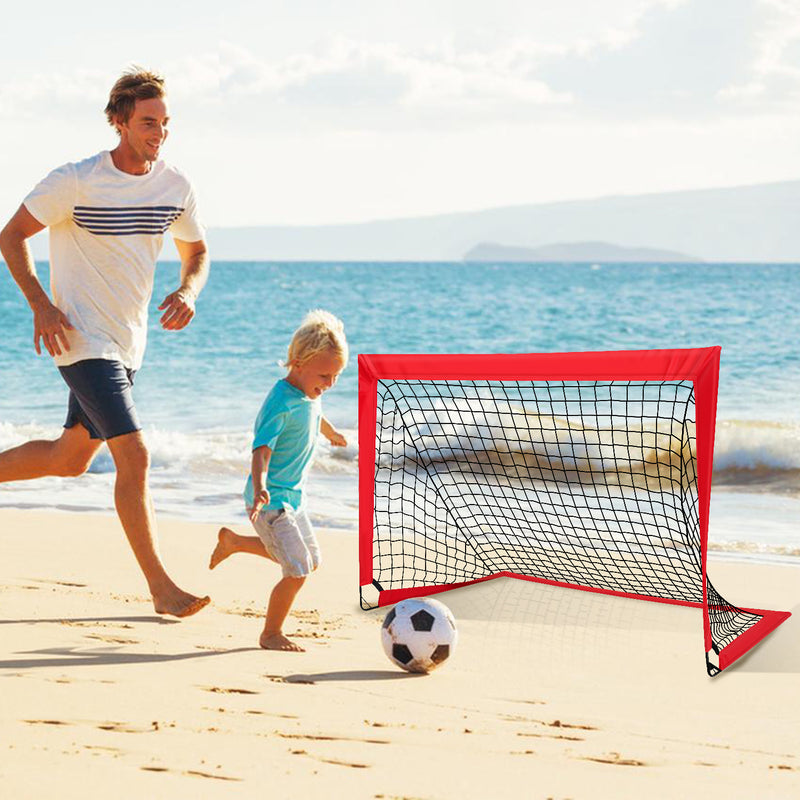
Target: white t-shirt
<point>106,229</point>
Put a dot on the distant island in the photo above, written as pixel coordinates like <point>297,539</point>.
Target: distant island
<point>574,252</point>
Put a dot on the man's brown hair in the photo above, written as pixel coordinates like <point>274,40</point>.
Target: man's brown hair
<point>134,84</point>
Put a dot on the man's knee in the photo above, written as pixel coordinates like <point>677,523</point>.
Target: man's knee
<point>130,453</point>
<point>72,458</point>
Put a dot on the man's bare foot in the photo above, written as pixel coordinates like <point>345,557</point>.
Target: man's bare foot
<point>224,547</point>
<point>277,641</point>
<point>179,603</point>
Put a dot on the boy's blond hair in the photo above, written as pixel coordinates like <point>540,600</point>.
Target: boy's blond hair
<point>319,331</point>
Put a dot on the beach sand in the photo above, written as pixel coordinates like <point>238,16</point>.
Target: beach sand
<point>551,693</point>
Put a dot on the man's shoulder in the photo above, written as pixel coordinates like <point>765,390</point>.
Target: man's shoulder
<point>86,166</point>
<point>171,172</point>
<point>76,169</point>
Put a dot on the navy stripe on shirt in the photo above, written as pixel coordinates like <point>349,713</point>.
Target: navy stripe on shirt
<point>124,229</point>
<point>113,209</point>
<point>125,220</point>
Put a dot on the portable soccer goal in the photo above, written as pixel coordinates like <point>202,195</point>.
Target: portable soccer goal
<point>584,470</point>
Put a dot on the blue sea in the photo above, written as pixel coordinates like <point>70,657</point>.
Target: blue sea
<point>199,389</point>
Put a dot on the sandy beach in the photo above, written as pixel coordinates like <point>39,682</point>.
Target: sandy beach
<point>552,693</point>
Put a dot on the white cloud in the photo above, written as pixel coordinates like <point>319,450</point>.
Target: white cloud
<point>44,94</point>
<point>773,79</point>
<point>668,56</point>
<point>345,73</point>
<point>672,62</point>
<point>338,73</point>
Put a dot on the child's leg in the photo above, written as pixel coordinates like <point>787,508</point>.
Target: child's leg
<point>280,601</point>
<point>229,542</point>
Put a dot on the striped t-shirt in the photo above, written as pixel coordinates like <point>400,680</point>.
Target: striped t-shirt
<point>106,229</point>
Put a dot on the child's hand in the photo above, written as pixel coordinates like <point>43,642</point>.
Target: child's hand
<point>337,440</point>
<point>260,500</point>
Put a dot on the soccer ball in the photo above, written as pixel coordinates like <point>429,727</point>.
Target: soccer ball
<point>419,634</point>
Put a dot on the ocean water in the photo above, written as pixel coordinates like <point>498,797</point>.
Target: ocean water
<point>200,389</point>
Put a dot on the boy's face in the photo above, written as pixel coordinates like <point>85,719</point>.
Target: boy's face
<point>318,374</point>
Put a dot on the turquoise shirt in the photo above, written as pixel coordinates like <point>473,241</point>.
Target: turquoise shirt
<point>288,423</point>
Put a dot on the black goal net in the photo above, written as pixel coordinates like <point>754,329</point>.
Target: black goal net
<point>586,483</point>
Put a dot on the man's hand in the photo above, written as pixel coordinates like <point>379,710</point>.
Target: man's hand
<point>337,440</point>
<point>260,500</point>
<point>178,310</point>
<point>50,325</point>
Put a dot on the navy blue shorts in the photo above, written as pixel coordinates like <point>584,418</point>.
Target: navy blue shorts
<point>101,398</point>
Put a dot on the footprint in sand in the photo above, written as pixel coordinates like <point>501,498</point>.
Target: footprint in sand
<point>117,727</point>
<point>385,724</point>
<point>251,711</point>
<point>193,772</point>
<point>58,583</point>
<point>616,759</point>
<point>81,623</point>
<point>124,727</point>
<point>111,639</point>
<point>243,612</point>
<point>99,749</point>
<point>284,679</point>
<point>329,760</point>
<point>271,714</point>
<point>562,737</point>
<point>221,690</point>
<point>557,723</point>
<point>327,738</point>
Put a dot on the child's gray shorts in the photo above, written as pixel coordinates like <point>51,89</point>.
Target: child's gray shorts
<point>289,539</point>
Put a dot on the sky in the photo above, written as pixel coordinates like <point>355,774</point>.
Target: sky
<point>308,112</point>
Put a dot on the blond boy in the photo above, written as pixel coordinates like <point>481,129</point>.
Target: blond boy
<point>285,438</point>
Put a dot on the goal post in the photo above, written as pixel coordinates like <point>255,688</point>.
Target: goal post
<point>584,470</point>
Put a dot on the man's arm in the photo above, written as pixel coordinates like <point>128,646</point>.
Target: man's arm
<point>49,323</point>
<point>178,307</point>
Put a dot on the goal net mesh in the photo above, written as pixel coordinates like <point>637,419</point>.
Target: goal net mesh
<point>586,483</point>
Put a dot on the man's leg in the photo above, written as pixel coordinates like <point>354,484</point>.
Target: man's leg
<point>135,509</point>
<point>70,454</point>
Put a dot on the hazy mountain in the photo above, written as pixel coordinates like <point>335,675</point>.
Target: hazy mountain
<point>573,252</point>
<point>746,223</point>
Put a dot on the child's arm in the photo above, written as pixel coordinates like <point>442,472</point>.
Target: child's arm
<point>258,470</point>
<point>331,434</point>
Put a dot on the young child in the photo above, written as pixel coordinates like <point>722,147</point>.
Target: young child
<point>286,433</point>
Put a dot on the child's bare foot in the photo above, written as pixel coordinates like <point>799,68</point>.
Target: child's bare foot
<point>224,547</point>
<point>178,603</point>
<point>277,641</point>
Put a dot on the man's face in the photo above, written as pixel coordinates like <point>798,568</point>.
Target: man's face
<point>146,129</point>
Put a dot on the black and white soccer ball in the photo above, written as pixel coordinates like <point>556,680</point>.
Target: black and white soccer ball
<point>419,634</point>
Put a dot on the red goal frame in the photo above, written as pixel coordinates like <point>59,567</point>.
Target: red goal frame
<point>699,365</point>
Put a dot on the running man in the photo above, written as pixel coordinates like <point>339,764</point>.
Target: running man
<point>107,217</point>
